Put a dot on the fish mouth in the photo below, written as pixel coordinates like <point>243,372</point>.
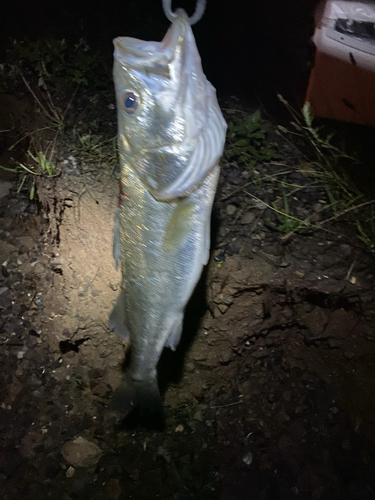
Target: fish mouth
<point>153,56</point>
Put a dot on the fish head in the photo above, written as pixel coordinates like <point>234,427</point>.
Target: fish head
<point>164,106</point>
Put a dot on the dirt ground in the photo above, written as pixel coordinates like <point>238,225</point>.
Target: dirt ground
<point>270,394</point>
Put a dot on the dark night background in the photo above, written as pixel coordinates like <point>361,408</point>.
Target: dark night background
<point>251,48</point>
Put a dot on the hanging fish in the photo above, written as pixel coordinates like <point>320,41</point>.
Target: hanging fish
<point>171,135</point>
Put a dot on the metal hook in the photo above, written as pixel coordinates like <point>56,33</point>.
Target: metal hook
<point>197,16</point>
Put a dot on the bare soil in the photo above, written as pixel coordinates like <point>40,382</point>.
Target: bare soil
<point>269,395</point>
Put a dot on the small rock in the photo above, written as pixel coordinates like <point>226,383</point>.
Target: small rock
<point>179,428</point>
<point>236,245</point>
<point>26,241</point>
<point>162,452</point>
<point>31,342</point>
<point>113,488</point>
<point>198,416</point>
<point>225,355</point>
<point>248,218</point>
<point>70,472</point>
<point>223,308</point>
<point>231,210</point>
<point>317,207</point>
<point>72,160</point>
<point>190,367</point>
<point>81,453</point>
<point>345,249</point>
<point>248,458</point>
<point>222,231</point>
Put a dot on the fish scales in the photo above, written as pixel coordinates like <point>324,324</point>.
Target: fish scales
<point>171,135</point>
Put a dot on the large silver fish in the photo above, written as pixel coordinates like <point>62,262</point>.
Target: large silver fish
<point>171,135</point>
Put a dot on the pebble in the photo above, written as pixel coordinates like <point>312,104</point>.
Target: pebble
<point>70,472</point>
<point>226,355</point>
<point>317,207</point>
<point>72,160</point>
<point>81,453</point>
<point>248,458</point>
<point>179,428</point>
<point>236,245</point>
<point>248,218</point>
<point>31,342</point>
<point>190,367</point>
<point>345,249</point>
<point>231,210</point>
<point>222,231</point>
<point>198,416</point>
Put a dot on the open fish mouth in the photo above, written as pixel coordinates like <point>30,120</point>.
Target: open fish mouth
<point>180,129</point>
<point>153,56</point>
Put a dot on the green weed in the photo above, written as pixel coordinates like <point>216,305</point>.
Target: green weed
<point>94,148</point>
<point>41,167</point>
<point>330,166</point>
<point>55,61</point>
<point>247,140</point>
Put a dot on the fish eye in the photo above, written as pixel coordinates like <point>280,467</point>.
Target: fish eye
<point>130,102</point>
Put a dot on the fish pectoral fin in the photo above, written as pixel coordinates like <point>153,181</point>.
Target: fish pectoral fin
<point>142,394</point>
<point>117,319</point>
<point>179,227</point>
<point>174,337</point>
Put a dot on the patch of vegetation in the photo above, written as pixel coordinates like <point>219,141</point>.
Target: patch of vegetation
<point>55,62</point>
<point>95,149</point>
<point>41,167</point>
<point>247,140</point>
<point>321,160</point>
<point>330,164</point>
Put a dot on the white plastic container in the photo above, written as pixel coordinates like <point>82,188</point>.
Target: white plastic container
<point>342,82</point>
<point>346,30</point>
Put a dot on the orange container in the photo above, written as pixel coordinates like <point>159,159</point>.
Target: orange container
<point>342,82</point>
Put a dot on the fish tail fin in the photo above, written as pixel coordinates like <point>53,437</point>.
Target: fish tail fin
<point>116,321</point>
<point>144,395</point>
